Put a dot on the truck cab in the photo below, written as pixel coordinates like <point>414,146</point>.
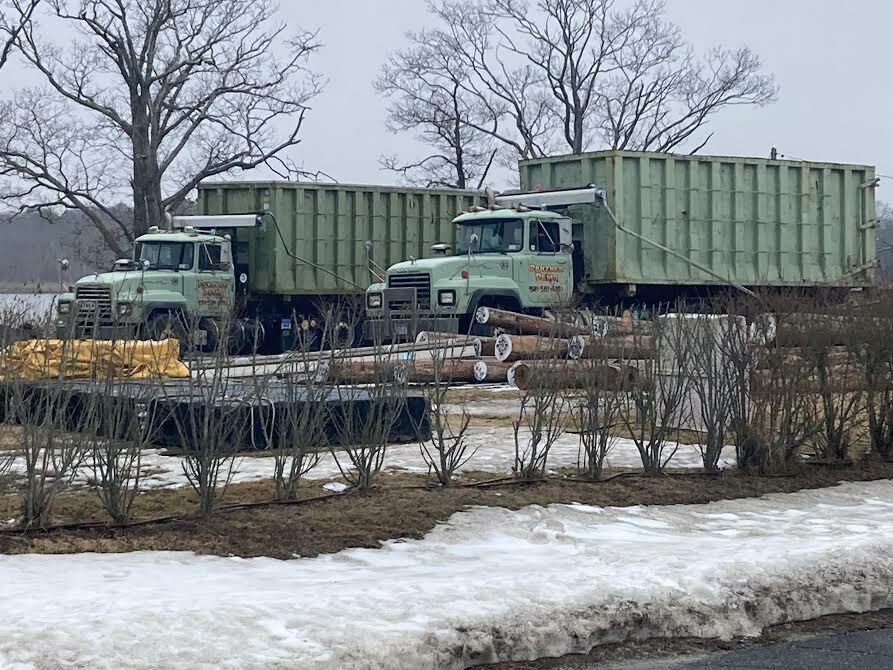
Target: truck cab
<point>514,258</point>
<point>178,282</point>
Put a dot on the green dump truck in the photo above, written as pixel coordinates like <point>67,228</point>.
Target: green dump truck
<point>262,264</point>
<point>617,227</point>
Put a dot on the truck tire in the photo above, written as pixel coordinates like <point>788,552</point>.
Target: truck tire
<point>344,336</point>
<point>212,334</point>
<point>235,338</point>
<point>164,325</point>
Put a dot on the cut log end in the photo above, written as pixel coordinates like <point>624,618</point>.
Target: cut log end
<point>576,346</point>
<point>482,315</point>
<point>480,371</point>
<point>503,347</point>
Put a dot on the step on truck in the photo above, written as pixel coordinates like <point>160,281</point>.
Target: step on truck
<point>616,228</point>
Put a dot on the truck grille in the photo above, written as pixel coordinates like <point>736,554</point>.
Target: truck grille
<point>94,304</point>
<point>420,281</point>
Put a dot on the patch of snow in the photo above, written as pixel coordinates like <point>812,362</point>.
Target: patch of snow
<point>494,451</point>
<point>335,487</point>
<point>488,585</point>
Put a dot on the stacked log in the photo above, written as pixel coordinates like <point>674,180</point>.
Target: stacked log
<point>528,347</point>
<point>484,346</point>
<point>359,372</point>
<point>447,371</point>
<point>430,337</point>
<point>618,326</point>
<point>491,371</point>
<point>840,380</point>
<point>624,347</point>
<point>838,357</point>
<point>611,376</point>
<point>525,324</point>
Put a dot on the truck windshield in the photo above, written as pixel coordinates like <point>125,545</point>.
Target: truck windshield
<point>494,236</point>
<point>166,255</point>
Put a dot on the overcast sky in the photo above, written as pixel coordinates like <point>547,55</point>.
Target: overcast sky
<point>830,58</point>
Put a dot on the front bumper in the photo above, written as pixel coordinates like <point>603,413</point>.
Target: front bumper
<point>395,329</point>
<point>403,314</point>
<point>69,330</point>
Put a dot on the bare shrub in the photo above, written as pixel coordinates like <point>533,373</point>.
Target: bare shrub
<point>447,449</point>
<point>365,417</point>
<point>598,410</point>
<point>657,404</point>
<point>774,414</point>
<point>837,380</point>
<point>714,384</point>
<point>52,439</point>
<point>543,405</point>
<point>214,415</point>
<point>301,426</point>
<point>875,358</point>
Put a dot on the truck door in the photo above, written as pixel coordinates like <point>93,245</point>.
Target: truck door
<point>216,281</point>
<point>546,272</point>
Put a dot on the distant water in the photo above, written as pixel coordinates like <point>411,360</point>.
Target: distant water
<point>29,307</point>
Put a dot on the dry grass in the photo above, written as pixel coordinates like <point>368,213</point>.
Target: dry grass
<point>399,507</point>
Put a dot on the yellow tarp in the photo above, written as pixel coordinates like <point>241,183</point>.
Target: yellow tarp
<point>29,360</point>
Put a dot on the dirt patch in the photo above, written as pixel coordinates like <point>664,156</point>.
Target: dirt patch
<point>656,650</point>
<point>400,507</point>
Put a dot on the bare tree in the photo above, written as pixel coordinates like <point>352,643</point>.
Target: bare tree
<point>169,92</point>
<point>605,75</point>
<point>425,84</point>
<point>12,23</point>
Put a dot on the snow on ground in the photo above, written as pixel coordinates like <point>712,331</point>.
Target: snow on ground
<point>494,451</point>
<point>490,584</point>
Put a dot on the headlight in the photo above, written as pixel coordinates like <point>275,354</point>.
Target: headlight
<point>373,301</point>
<point>446,297</point>
<point>125,308</point>
<point>64,307</point>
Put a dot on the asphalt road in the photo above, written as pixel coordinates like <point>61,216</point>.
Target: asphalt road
<point>869,650</point>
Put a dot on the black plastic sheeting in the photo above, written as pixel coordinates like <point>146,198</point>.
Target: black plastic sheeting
<point>244,416</point>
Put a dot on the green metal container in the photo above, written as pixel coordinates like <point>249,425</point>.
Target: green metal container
<point>327,226</point>
<point>752,221</point>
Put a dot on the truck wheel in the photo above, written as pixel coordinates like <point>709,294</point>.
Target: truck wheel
<point>212,334</point>
<point>165,325</point>
<point>343,336</point>
<point>235,338</point>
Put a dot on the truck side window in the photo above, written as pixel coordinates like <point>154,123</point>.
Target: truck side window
<point>209,257</point>
<point>544,237</point>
